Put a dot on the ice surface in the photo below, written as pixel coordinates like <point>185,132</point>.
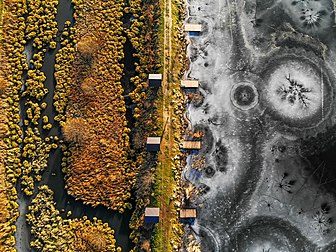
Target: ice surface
<point>311,90</point>
<point>262,196</point>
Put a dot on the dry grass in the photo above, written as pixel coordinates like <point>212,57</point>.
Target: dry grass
<point>100,173</point>
<point>168,234</point>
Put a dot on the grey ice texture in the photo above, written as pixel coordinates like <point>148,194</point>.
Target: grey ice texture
<point>262,196</point>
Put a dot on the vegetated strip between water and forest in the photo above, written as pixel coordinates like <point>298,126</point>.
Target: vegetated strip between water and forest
<point>167,193</point>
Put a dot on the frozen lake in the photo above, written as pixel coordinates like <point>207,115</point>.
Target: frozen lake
<point>266,74</point>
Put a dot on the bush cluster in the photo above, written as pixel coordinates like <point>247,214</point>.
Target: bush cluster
<point>35,156</point>
<point>52,233</point>
<point>11,69</point>
<point>41,26</point>
<point>47,226</point>
<point>93,236</point>
<point>40,34</point>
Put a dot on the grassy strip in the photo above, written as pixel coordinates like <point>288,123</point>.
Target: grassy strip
<point>144,38</point>
<point>168,234</point>
<point>152,26</point>
<point>164,191</point>
<point>8,195</point>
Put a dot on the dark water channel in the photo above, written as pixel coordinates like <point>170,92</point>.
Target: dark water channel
<point>128,86</point>
<point>53,175</point>
<point>323,168</point>
<point>320,152</point>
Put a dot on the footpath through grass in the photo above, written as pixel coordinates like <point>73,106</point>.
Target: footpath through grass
<point>168,233</point>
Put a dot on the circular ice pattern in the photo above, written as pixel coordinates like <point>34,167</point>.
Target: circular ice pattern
<point>269,234</point>
<point>295,90</point>
<point>244,96</point>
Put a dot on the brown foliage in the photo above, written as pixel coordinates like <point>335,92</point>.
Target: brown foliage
<point>100,171</point>
<point>87,46</point>
<point>10,55</point>
<point>3,85</point>
<point>74,130</point>
<point>87,240</point>
<point>92,236</point>
<point>146,246</point>
<point>88,85</point>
